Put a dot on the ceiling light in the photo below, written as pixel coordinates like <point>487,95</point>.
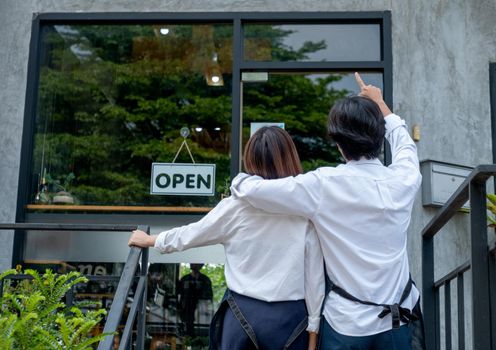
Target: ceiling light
<point>213,76</point>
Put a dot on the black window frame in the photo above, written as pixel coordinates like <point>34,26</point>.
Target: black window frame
<point>237,19</point>
<point>492,97</point>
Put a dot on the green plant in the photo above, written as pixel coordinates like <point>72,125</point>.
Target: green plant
<point>225,190</point>
<point>61,184</point>
<point>34,316</point>
<point>491,207</point>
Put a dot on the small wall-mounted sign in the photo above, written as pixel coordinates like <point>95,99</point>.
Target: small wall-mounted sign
<point>255,126</point>
<point>181,179</point>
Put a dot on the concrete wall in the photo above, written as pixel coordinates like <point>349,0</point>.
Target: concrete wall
<point>441,55</point>
<point>442,51</point>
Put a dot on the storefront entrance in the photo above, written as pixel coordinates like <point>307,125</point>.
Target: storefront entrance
<point>111,94</point>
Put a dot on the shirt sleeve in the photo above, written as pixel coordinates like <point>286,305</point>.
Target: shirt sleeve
<point>405,161</point>
<point>298,195</point>
<point>211,229</point>
<point>314,279</point>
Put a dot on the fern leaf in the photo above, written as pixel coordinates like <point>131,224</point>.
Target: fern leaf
<point>16,303</point>
<point>7,326</point>
<point>86,345</point>
<point>7,273</point>
<point>492,198</point>
<point>87,304</point>
<point>491,220</point>
<point>33,302</point>
<point>49,340</point>
<point>65,328</point>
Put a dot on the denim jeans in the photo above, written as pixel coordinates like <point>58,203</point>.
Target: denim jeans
<point>394,339</point>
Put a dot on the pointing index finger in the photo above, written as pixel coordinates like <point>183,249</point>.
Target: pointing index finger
<point>359,80</point>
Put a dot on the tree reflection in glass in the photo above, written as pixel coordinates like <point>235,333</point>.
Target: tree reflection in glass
<point>113,98</point>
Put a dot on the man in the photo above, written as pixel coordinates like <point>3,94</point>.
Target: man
<point>361,211</point>
<point>193,289</point>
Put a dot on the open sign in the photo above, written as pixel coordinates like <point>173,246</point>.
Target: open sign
<point>183,179</point>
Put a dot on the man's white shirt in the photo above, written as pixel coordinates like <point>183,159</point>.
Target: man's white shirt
<point>361,211</point>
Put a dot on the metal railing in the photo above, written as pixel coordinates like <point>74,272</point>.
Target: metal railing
<point>136,257</point>
<point>480,263</point>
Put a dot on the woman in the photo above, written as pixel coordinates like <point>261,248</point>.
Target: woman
<point>274,265</point>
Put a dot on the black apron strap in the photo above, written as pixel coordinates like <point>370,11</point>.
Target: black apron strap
<point>397,312</point>
<point>241,318</point>
<point>296,332</point>
<point>341,292</point>
<point>407,290</point>
<point>229,302</point>
<point>215,330</point>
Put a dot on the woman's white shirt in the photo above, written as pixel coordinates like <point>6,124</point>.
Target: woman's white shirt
<point>270,257</point>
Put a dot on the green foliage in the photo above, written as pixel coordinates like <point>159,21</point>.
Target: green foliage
<point>491,207</point>
<point>62,184</point>
<point>34,316</point>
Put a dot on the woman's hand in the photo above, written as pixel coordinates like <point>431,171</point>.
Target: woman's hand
<point>312,340</point>
<point>374,93</point>
<point>141,239</point>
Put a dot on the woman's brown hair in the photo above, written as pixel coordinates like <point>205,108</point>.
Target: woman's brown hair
<point>271,154</point>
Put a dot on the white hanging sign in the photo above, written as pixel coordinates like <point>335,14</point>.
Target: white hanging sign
<point>182,179</point>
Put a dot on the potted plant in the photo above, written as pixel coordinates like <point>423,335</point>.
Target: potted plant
<point>61,189</point>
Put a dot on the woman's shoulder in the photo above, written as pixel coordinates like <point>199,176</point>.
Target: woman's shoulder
<point>233,205</point>
<point>240,206</point>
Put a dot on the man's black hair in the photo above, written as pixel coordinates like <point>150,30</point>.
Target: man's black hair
<point>356,124</point>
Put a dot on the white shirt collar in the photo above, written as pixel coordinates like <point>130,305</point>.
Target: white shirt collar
<point>361,161</point>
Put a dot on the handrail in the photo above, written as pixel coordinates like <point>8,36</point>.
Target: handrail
<point>126,334</point>
<point>453,274</point>
<point>473,188</point>
<point>67,227</point>
<point>127,278</point>
<point>479,175</point>
<point>116,208</point>
<point>120,299</point>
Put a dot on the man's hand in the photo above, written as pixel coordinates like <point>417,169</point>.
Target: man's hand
<point>141,239</point>
<point>374,93</point>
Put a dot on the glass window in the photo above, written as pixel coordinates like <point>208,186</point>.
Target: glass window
<point>181,297</point>
<point>300,102</point>
<point>312,42</point>
<point>112,100</point>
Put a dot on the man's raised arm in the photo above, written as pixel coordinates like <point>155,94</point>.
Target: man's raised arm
<point>298,195</point>
<point>403,150</point>
<point>404,160</point>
